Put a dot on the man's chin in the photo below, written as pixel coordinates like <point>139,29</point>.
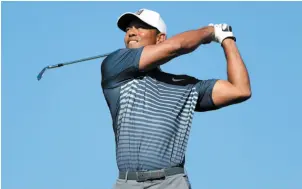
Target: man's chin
<point>134,46</point>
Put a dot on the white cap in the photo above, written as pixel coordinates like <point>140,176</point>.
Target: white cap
<point>148,16</point>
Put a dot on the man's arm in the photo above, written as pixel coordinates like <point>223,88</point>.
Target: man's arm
<point>237,88</point>
<point>183,43</point>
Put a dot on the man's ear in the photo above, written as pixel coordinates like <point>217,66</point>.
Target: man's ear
<point>161,37</point>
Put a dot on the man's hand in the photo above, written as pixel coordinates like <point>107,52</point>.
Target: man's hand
<point>222,32</point>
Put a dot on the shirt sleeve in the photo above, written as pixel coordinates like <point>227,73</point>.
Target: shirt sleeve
<point>205,100</point>
<point>120,66</point>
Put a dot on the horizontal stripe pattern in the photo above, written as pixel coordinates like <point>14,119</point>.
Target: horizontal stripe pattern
<point>153,124</point>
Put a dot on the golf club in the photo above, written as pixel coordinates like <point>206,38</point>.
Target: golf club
<point>68,63</point>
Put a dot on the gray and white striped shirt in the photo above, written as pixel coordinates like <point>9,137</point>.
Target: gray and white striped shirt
<point>151,111</point>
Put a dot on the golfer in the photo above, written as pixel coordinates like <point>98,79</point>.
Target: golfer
<point>152,110</point>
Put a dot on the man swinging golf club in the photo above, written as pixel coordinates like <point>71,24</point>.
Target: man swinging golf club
<point>152,110</point>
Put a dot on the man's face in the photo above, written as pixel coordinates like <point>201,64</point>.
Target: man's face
<point>139,34</point>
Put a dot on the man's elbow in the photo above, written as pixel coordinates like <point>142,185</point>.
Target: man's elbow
<point>244,95</point>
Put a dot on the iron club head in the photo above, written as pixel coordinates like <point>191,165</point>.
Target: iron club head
<point>41,73</point>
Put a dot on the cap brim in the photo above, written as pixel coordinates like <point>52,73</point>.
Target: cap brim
<point>125,20</point>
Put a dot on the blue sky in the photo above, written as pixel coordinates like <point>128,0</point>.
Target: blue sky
<point>57,133</point>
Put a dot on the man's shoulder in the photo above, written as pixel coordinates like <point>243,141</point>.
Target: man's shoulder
<point>111,55</point>
<point>121,54</point>
<point>121,65</point>
<point>123,51</point>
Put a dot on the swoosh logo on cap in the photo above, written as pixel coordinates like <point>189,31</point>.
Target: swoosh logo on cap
<point>139,12</point>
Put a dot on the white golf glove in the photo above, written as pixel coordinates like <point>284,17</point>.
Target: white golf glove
<point>222,32</point>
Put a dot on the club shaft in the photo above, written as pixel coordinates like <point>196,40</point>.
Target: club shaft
<point>67,63</point>
<point>76,61</point>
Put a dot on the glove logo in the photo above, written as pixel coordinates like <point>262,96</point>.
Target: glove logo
<point>227,28</point>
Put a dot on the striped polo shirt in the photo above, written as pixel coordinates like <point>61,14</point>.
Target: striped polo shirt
<point>151,111</point>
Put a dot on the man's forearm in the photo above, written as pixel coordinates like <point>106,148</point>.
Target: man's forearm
<point>188,41</point>
<point>183,43</point>
<point>237,72</point>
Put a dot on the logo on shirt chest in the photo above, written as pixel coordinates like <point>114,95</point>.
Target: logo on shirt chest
<point>177,80</point>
